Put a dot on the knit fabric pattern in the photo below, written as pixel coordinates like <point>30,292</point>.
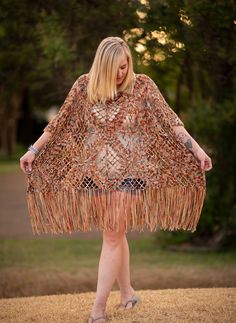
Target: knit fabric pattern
<point>118,157</point>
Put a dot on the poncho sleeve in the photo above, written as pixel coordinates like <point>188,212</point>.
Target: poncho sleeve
<point>160,108</point>
<point>59,120</point>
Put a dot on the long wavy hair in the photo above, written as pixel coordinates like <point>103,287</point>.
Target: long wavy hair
<point>103,72</point>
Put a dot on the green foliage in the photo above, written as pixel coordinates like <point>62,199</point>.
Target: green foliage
<point>215,124</point>
<point>202,74</point>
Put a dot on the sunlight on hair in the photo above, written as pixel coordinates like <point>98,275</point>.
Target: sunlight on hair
<point>102,84</point>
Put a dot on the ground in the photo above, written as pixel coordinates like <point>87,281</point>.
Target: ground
<point>163,306</point>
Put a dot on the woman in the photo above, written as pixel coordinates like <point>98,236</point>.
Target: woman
<point>117,154</point>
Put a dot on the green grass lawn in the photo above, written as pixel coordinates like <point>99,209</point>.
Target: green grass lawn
<point>68,254</point>
<point>9,167</point>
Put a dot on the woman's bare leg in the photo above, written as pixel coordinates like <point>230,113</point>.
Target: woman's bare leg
<point>109,264</point>
<point>114,251</point>
<point>123,277</point>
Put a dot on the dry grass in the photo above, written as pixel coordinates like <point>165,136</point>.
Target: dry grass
<point>169,305</point>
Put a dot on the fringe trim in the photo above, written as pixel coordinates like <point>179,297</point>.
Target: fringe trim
<point>173,208</point>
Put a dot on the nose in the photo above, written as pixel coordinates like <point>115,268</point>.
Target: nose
<point>119,74</point>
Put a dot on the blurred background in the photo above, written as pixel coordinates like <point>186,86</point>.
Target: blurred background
<point>188,49</point>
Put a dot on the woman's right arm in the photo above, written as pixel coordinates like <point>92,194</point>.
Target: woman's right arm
<point>56,124</point>
<point>27,159</point>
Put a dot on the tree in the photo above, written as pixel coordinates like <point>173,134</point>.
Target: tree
<point>44,47</point>
<point>190,48</point>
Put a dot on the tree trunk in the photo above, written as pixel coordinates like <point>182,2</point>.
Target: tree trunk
<point>8,121</point>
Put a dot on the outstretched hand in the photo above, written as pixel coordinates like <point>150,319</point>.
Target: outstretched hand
<point>204,159</point>
<point>26,162</point>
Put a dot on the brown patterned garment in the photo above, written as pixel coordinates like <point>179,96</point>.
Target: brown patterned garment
<point>122,155</point>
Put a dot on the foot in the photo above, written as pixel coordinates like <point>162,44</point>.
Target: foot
<point>98,316</point>
<point>97,319</point>
<point>124,298</point>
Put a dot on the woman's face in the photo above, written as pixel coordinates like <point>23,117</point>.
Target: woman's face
<point>122,70</point>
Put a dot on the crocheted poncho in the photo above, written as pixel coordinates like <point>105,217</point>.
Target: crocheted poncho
<point>120,158</point>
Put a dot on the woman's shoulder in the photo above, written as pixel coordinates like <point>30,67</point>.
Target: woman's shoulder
<point>143,78</point>
<point>82,78</point>
<point>81,81</point>
<point>143,81</point>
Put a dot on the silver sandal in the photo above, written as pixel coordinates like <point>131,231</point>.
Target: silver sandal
<point>135,299</point>
<point>93,319</point>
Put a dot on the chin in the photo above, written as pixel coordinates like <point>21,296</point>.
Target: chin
<point>119,82</point>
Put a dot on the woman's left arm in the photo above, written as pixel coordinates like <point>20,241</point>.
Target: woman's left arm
<point>164,115</point>
<point>193,146</point>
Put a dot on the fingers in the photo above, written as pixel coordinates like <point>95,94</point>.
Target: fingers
<point>206,164</point>
<point>203,164</point>
<point>26,166</point>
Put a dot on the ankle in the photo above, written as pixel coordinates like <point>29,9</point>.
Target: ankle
<point>98,308</point>
<point>127,293</point>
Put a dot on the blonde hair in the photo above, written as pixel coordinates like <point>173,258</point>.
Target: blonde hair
<point>103,73</point>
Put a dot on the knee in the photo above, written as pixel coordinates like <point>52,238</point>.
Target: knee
<point>113,238</point>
